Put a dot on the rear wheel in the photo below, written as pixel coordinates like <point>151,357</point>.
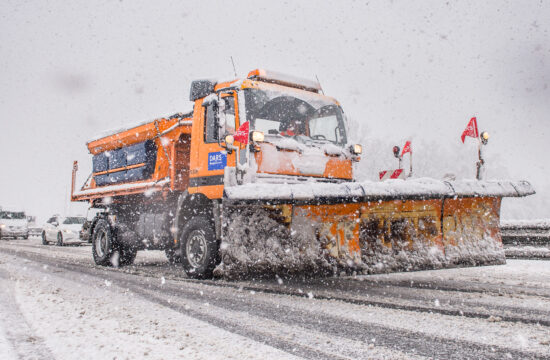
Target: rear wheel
<point>199,248</point>
<point>59,239</point>
<point>102,243</point>
<point>44,241</point>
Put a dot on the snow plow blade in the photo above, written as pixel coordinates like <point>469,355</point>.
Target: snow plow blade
<point>362,227</point>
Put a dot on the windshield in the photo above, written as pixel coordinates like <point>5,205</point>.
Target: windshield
<point>12,215</point>
<point>74,220</point>
<point>298,114</point>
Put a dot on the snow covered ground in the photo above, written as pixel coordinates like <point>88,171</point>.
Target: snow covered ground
<point>55,304</point>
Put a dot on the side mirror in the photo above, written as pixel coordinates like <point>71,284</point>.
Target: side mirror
<point>55,223</point>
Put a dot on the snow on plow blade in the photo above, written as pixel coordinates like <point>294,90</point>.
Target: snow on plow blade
<point>365,227</point>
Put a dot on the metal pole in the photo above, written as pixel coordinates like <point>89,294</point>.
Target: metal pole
<point>480,162</point>
<point>410,162</point>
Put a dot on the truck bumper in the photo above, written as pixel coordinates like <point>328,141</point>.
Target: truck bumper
<point>14,233</point>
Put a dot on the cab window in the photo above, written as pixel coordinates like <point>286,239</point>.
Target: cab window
<point>210,128</point>
<point>227,115</point>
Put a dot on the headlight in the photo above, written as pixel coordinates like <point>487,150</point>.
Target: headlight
<point>356,149</point>
<point>67,231</point>
<point>229,140</point>
<point>257,136</point>
<point>2,226</point>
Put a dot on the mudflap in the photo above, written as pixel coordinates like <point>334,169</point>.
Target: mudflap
<point>359,237</point>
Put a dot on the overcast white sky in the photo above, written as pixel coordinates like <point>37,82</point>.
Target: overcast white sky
<point>401,69</point>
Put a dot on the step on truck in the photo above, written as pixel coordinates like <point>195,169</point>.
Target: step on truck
<point>258,179</point>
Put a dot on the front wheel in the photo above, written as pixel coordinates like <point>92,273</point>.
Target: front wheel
<point>102,243</point>
<point>199,248</point>
<point>59,239</point>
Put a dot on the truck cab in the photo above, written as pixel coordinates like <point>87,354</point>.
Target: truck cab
<point>267,128</point>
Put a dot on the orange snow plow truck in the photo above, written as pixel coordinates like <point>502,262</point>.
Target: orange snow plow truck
<point>258,179</point>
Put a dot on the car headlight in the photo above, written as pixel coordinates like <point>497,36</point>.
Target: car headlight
<point>2,226</point>
<point>67,231</point>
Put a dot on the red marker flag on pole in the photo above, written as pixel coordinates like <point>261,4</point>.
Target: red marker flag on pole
<point>241,135</point>
<point>407,148</point>
<point>471,130</point>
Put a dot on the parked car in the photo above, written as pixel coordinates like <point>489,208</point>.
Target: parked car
<point>34,228</point>
<point>13,224</point>
<point>62,230</point>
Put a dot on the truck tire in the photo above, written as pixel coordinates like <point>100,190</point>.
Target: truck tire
<point>199,248</point>
<point>59,239</point>
<point>44,241</point>
<point>102,243</point>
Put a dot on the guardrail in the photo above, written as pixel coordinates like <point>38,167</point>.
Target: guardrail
<point>525,232</point>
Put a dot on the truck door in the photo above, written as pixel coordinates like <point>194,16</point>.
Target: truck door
<point>210,158</point>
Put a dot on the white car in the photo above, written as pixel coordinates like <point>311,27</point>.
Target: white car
<point>62,230</point>
<point>13,224</point>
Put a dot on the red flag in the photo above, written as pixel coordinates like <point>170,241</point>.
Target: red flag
<point>471,129</point>
<point>407,148</point>
<point>241,135</point>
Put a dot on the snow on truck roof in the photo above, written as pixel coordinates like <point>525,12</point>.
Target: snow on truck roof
<point>111,132</point>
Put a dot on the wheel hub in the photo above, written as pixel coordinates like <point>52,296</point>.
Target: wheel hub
<point>101,243</point>
<point>196,249</point>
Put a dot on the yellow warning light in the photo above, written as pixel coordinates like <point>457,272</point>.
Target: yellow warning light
<point>229,139</point>
<point>257,136</point>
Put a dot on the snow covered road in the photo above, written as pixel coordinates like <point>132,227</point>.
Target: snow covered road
<point>55,304</point>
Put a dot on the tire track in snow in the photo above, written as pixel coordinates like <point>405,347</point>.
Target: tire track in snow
<point>464,287</point>
<point>389,297</point>
<point>23,340</point>
<point>401,340</point>
<point>448,304</point>
<point>136,287</point>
